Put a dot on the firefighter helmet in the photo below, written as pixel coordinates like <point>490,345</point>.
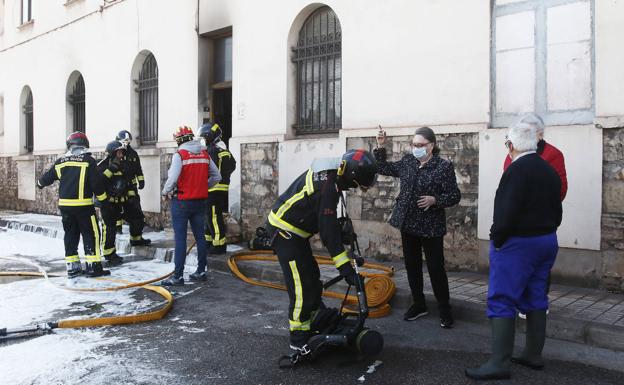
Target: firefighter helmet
<point>124,136</point>
<point>357,169</point>
<point>77,139</point>
<point>183,134</point>
<point>112,147</point>
<point>211,132</point>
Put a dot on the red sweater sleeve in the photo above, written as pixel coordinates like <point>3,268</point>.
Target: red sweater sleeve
<point>554,157</point>
<point>507,162</point>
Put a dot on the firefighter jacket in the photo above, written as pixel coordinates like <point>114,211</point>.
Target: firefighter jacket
<point>118,183</point>
<point>135,170</point>
<point>308,207</point>
<point>79,179</point>
<point>226,164</point>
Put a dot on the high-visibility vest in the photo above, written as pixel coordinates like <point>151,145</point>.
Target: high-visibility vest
<point>193,179</point>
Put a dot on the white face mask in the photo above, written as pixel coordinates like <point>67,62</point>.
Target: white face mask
<point>419,152</point>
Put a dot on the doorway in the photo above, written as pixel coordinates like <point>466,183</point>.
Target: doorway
<point>222,111</point>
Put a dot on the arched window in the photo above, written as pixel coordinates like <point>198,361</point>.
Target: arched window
<point>77,101</point>
<point>147,87</point>
<point>27,109</point>
<point>319,68</point>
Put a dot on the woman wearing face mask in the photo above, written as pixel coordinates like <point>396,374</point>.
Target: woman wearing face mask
<point>428,186</point>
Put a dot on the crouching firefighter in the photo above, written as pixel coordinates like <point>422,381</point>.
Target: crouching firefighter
<point>116,171</point>
<point>218,194</point>
<point>79,180</point>
<point>308,207</point>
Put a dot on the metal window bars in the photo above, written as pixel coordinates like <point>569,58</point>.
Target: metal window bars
<point>28,120</point>
<point>77,100</point>
<point>147,87</point>
<point>319,74</point>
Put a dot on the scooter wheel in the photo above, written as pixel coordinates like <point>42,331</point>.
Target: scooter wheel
<point>369,342</point>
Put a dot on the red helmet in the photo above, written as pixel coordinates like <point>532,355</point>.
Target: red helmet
<point>77,139</point>
<point>183,134</point>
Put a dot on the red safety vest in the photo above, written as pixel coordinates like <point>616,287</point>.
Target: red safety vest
<point>193,179</point>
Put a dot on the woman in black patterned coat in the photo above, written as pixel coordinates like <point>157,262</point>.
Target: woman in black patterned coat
<point>428,186</point>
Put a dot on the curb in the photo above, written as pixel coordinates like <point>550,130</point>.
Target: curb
<point>560,327</point>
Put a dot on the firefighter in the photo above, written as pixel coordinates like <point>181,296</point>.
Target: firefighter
<point>79,180</point>
<point>116,172</point>
<point>218,195</point>
<point>190,175</point>
<point>307,207</point>
<point>137,183</point>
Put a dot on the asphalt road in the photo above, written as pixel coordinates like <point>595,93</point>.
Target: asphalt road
<point>228,332</point>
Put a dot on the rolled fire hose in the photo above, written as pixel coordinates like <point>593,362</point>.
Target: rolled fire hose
<point>379,287</point>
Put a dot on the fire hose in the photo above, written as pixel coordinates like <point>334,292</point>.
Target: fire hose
<point>91,322</point>
<point>379,286</point>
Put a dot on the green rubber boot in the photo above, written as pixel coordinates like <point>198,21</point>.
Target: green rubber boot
<point>497,367</point>
<point>535,336</point>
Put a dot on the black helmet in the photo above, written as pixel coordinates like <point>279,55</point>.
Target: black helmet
<point>211,132</point>
<point>77,139</point>
<point>112,147</point>
<point>357,169</point>
<point>124,136</point>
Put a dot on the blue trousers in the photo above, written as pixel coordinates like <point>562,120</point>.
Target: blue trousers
<point>183,212</point>
<point>519,273</point>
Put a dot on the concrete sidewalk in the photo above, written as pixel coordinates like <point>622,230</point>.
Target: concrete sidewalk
<point>588,316</point>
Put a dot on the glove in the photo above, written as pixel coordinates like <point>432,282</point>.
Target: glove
<point>348,272</point>
<point>141,184</point>
<point>114,165</point>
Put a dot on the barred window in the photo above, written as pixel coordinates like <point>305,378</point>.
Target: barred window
<point>77,101</point>
<point>26,11</point>
<point>147,87</point>
<point>27,109</point>
<point>319,74</point>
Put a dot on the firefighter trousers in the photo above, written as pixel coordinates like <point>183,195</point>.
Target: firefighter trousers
<point>216,231</point>
<point>131,212</point>
<point>302,276</point>
<point>77,221</point>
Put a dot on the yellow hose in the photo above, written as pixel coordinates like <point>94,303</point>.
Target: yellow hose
<point>104,321</point>
<point>379,287</point>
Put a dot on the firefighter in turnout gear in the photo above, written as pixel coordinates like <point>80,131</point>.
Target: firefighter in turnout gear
<point>218,195</point>
<point>116,171</point>
<point>137,183</point>
<point>79,180</point>
<point>308,207</point>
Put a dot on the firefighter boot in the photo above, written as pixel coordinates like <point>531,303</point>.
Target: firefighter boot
<point>95,269</point>
<point>73,269</point>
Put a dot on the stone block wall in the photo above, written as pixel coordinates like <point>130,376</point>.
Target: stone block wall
<point>259,184</point>
<point>372,210</point>
<point>613,210</point>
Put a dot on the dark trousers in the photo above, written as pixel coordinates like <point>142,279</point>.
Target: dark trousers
<point>110,212</point>
<point>519,274</point>
<point>79,221</point>
<point>413,246</point>
<point>133,214</point>
<point>303,282</point>
<point>183,212</point>
<point>215,227</point>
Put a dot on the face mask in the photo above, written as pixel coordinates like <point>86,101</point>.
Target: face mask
<point>419,152</point>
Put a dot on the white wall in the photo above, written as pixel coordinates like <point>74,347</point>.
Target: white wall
<point>582,150</point>
<point>103,47</point>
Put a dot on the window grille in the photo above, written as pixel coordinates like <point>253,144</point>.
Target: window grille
<point>28,120</point>
<point>147,87</point>
<point>77,100</point>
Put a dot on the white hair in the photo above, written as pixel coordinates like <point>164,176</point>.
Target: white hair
<point>534,120</point>
<point>523,136</point>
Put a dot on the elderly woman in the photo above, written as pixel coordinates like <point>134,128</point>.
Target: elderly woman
<point>428,186</point>
<point>523,247</point>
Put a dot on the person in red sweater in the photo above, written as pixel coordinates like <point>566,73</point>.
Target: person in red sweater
<point>547,151</point>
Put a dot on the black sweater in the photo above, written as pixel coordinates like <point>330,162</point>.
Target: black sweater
<point>527,200</point>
